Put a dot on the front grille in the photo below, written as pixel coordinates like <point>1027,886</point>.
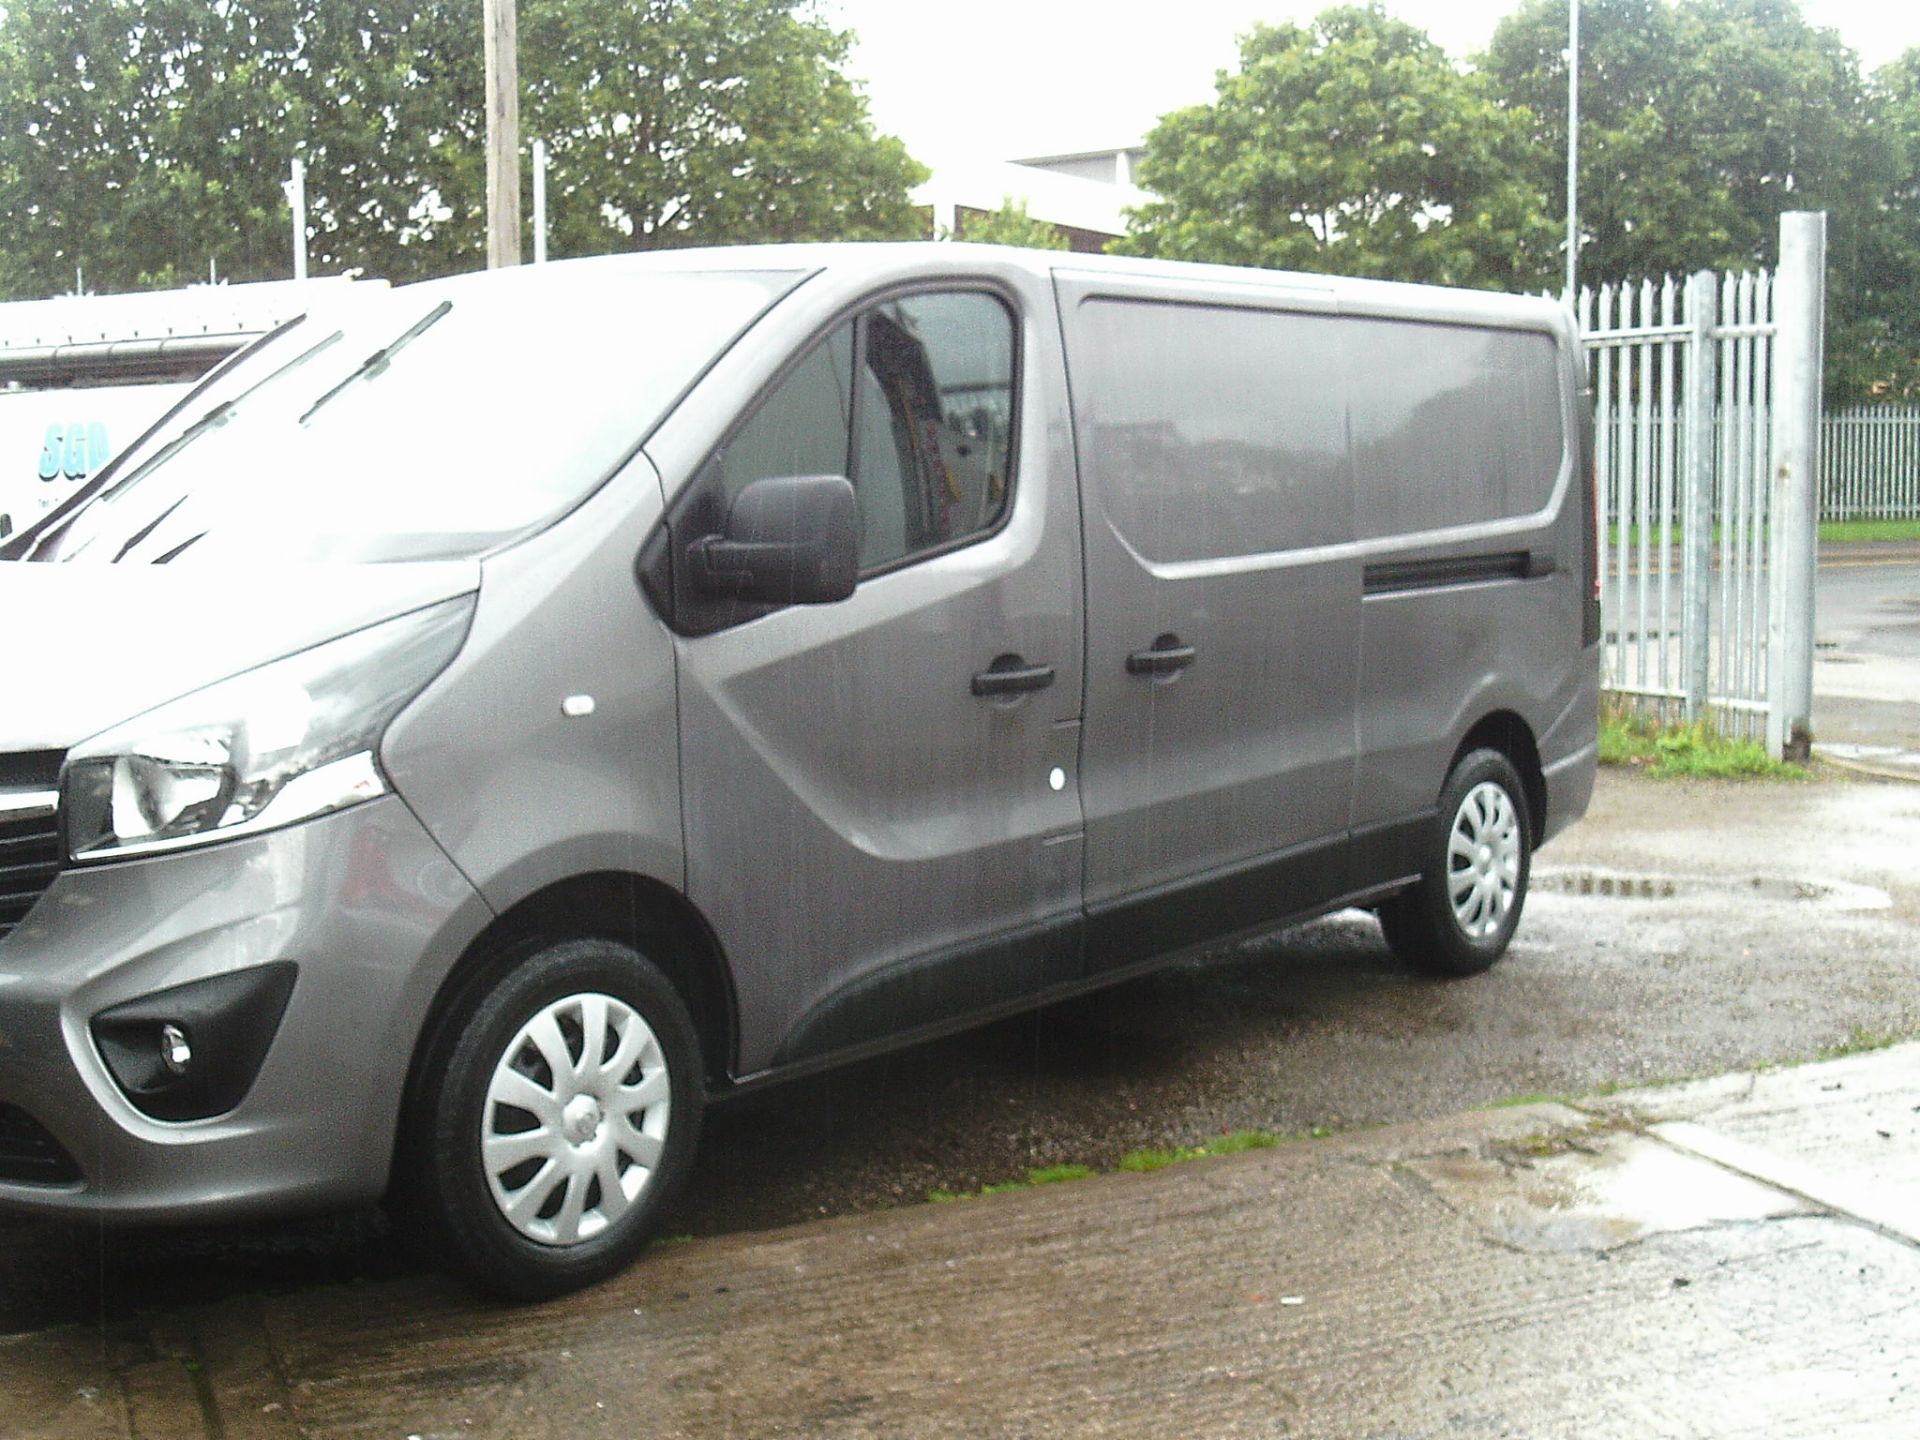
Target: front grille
<point>28,1154</point>
<point>29,832</point>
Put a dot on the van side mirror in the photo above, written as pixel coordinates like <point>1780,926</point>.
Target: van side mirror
<point>789,540</point>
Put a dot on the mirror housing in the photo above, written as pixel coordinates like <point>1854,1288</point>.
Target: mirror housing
<point>789,540</point>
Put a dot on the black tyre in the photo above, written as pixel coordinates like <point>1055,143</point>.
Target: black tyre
<point>1459,918</point>
<point>559,1114</point>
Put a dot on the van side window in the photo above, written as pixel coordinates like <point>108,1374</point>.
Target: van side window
<point>799,429</point>
<point>934,422</point>
<point>1213,431</point>
<point>1452,424</point>
<point>923,427</point>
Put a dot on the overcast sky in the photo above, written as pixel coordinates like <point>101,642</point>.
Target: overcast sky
<point>1007,79</point>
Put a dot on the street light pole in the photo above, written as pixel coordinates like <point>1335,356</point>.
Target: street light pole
<point>503,134</point>
<point>1573,153</point>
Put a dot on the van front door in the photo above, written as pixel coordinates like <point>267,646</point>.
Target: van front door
<point>1223,599</point>
<point>882,823</point>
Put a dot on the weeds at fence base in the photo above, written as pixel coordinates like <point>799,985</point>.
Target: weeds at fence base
<point>1694,750</point>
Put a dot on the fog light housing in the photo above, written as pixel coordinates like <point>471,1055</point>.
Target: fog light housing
<point>193,1051</point>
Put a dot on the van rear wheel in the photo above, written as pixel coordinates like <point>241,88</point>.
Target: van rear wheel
<point>1460,916</point>
<point>562,1121</point>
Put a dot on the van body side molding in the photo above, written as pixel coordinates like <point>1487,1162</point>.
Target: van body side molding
<point>1006,970</point>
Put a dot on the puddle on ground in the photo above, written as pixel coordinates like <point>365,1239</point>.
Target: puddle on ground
<point>1628,885</point>
<point>1614,1189</point>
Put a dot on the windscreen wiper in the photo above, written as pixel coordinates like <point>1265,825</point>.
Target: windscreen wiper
<point>382,357</point>
<point>213,419</point>
<point>32,543</point>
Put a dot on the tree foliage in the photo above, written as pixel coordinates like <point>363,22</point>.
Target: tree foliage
<point>141,139</point>
<point>1011,225</point>
<point>1700,122</point>
<point>1350,145</point>
<point>1884,347</point>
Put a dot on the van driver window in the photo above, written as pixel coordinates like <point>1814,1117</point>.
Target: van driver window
<point>801,428</point>
<point>935,423</point>
<point>923,429</point>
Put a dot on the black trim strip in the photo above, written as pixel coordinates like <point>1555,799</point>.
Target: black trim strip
<point>1011,968</point>
<point>1208,909</point>
<point>1391,577</point>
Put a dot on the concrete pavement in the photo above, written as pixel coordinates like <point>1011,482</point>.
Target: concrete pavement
<point>1738,1257</point>
<point>1866,668</point>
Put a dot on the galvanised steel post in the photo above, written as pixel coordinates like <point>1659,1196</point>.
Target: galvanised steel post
<point>1799,300</point>
<point>1703,293</point>
<point>297,197</point>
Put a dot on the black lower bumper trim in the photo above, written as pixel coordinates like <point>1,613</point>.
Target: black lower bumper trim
<point>29,1155</point>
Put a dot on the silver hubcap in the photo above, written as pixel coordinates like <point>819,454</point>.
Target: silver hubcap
<point>1483,860</point>
<point>576,1119</point>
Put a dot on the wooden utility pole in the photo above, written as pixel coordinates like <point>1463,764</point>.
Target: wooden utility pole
<point>503,134</point>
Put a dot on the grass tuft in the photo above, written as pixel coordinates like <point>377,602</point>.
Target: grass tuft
<point>1859,1041</point>
<point>1140,1162</point>
<point>1695,751</point>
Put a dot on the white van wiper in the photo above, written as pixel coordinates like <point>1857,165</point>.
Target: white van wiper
<point>382,357</point>
<point>213,419</point>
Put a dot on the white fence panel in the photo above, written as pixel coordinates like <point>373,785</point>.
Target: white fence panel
<point>1685,614</point>
<point>1870,463</point>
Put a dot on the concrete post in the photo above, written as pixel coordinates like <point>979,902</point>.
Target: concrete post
<point>1799,310</point>
<point>1703,307</point>
<point>297,196</point>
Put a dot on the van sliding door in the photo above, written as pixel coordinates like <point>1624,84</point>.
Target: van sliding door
<point>1223,598</point>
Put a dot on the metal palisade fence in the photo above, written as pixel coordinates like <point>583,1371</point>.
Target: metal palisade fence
<point>1870,463</point>
<point>1706,495</point>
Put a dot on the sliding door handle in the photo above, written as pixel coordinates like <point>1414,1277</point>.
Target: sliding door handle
<point>1011,675</point>
<point>1166,657</point>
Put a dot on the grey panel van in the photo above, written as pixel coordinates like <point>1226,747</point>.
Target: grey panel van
<point>480,728</point>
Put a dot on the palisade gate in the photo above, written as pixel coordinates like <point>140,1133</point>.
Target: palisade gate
<point>1706,448</point>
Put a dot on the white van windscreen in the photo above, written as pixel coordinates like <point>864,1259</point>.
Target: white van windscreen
<point>432,422</point>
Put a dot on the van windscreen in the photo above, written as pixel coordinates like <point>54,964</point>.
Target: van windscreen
<point>432,422</point>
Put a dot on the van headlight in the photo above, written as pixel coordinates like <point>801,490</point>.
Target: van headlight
<point>292,739</point>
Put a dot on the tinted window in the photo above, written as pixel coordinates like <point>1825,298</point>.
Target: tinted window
<point>1212,432</point>
<point>923,427</point>
<point>801,428</point>
<point>935,423</point>
<point>1451,425</point>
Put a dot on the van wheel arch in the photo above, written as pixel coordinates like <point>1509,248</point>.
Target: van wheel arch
<point>1506,732</point>
<point>651,918</point>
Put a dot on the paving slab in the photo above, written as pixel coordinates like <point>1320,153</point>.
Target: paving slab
<point>1538,1271</point>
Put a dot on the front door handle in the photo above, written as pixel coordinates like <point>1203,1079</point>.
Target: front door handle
<point>1167,656</point>
<point>1011,675</point>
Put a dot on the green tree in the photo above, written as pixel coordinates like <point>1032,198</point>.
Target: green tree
<point>1700,122</point>
<point>682,122</point>
<point>1011,225</point>
<point>1351,145</point>
<point>1883,351</point>
<point>140,139</point>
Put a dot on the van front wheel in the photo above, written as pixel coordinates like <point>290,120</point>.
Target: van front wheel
<point>565,1118</point>
<point>1459,917</point>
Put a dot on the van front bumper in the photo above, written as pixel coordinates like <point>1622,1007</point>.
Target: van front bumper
<point>368,911</point>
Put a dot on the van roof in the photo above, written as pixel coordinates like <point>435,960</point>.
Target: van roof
<point>856,261</point>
